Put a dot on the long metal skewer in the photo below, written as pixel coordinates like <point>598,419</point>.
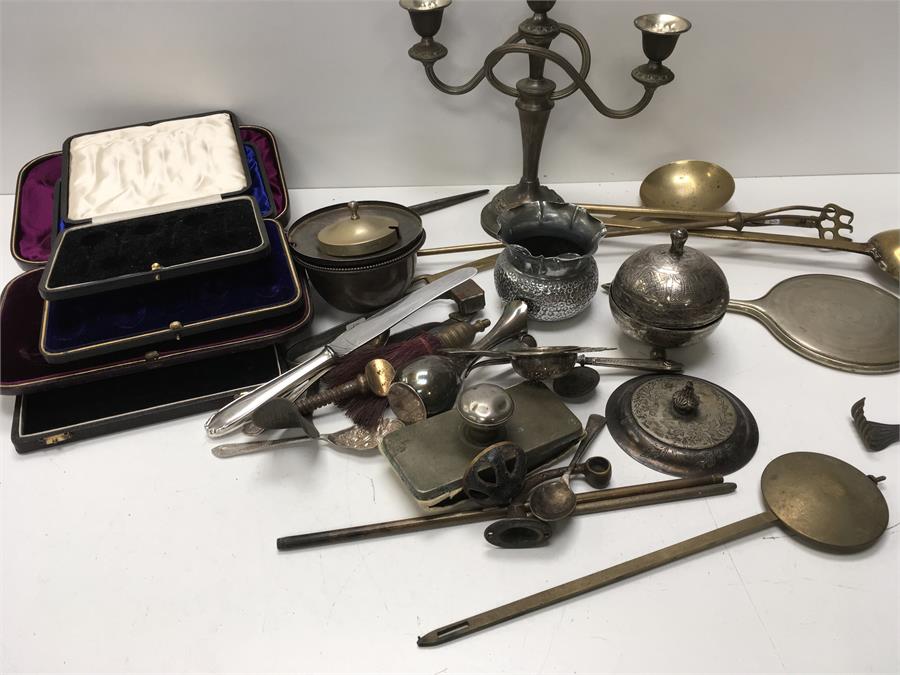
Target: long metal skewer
<point>587,502</point>
<point>592,582</point>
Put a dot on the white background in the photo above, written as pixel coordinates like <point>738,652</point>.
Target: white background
<point>765,88</point>
<point>140,552</point>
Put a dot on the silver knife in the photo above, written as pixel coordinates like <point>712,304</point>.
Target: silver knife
<point>234,414</point>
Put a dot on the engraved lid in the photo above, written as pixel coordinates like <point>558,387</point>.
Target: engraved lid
<point>682,425</point>
<point>671,286</point>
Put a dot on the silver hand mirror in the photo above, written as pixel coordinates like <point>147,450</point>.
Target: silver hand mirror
<point>838,322</point>
<point>824,501</point>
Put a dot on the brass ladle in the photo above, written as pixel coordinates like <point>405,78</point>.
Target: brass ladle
<point>821,499</point>
<point>688,184</point>
<point>883,248</point>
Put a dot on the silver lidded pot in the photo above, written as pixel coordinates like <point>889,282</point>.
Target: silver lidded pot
<point>548,258</point>
<point>669,295</point>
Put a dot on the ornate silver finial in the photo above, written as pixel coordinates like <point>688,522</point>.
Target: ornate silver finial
<point>679,239</point>
<point>685,401</point>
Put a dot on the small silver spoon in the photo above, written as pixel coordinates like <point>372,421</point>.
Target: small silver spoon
<point>554,500</point>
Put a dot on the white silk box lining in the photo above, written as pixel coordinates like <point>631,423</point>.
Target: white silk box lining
<point>145,167</point>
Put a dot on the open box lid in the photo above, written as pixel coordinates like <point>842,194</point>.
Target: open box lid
<point>112,174</point>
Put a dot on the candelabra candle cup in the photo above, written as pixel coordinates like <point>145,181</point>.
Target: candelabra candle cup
<point>426,17</point>
<point>659,35</point>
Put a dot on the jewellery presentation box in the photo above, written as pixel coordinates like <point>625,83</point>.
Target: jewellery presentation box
<point>142,315</point>
<point>116,173</point>
<point>23,368</point>
<point>35,220</point>
<point>100,257</point>
<point>50,418</point>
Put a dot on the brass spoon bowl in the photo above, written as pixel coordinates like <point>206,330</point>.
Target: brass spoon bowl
<point>688,185</point>
<point>885,247</point>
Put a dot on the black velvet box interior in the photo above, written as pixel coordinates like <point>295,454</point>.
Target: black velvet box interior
<point>130,317</point>
<point>95,258</point>
<point>23,368</point>
<point>49,418</point>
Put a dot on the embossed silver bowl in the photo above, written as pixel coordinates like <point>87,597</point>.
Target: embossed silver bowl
<point>548,259</point>
<point>669,295</point>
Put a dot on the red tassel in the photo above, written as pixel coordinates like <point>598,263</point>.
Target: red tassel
<point>366,410</point>
<point>398,355</point>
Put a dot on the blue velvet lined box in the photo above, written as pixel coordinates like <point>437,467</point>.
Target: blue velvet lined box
<point>122,319</point>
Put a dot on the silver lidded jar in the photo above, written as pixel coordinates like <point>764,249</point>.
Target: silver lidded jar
<point>548,258</point>
<point>669,295</point>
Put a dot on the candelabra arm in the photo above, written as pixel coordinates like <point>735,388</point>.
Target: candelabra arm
<point>456,90</point>
<point>577,79</point>
<point>585,50</point>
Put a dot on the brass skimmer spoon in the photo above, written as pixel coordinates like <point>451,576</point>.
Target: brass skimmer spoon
<point>823,500</point>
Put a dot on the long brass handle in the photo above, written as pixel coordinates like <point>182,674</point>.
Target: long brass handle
<point>760,237</point>
<point>591,582</point>
<point>587,502</point>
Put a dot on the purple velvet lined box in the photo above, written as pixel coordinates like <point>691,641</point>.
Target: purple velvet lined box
<point>35,217</point>
<point>24,369</point>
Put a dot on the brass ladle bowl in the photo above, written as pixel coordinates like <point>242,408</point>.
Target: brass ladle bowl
<point>688,185</point>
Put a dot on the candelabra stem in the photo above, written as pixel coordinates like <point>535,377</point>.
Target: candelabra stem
<point>535,104</point>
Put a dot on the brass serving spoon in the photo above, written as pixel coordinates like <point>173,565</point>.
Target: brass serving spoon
<point>821,499</point>
<point>688,184</point>
<point>883,248</point>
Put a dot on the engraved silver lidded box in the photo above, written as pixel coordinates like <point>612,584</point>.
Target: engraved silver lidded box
<point>669,295</point>
<point>682,425</point>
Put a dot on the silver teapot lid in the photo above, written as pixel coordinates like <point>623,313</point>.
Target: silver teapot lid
<point>671,286</point>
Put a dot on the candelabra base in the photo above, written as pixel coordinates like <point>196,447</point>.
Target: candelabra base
<point>510,197</point>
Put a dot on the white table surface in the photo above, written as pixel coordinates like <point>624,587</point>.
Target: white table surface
<point>141,552</point>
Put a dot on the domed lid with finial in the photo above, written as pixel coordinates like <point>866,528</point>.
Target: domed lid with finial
<point>671,286</point>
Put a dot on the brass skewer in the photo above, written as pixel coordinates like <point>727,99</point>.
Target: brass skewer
<point>593,501</point>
